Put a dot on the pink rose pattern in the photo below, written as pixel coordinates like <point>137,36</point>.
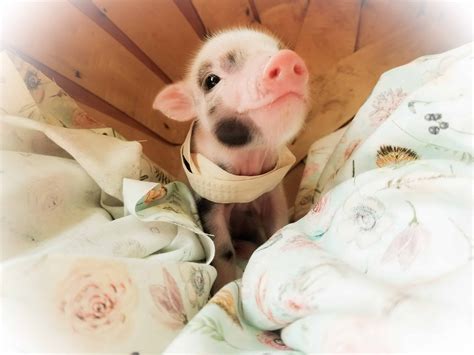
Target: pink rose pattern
<point>98,298</point>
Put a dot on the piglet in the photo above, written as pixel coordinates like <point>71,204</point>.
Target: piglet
<point>249,96</point>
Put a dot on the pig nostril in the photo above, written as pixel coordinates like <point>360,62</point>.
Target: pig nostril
<point>298,69</point>
<point>274,73</point>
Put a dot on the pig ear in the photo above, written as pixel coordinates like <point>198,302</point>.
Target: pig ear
<point>176,102</point>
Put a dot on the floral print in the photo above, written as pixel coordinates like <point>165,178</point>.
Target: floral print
<point>385,103</point>
<point>365,220</point>
<point>197,283</point>
<point>406,246</point>
<point>98,298</point>
<point>31,80</point>
<point>168,298</point>
<point>155,194</point>
<point>351,147</point>
<point>388,155</point>
<point>224,300</point>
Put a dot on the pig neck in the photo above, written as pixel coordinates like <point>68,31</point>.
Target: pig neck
<point>248,161</point>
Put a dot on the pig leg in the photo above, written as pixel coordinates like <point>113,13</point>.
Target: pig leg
<point>215,218</point>
<point>274,211</point>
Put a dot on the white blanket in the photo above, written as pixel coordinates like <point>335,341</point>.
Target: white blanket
<point>93,259</point>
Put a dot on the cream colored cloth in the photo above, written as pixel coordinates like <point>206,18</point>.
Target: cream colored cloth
<point>217,185</point>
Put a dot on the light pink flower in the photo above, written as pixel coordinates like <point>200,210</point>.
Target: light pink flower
<point>168,298</point>
<point>385,103</point>
<point>272,339</point>
<point>407,245</point>
<point>97,298</point>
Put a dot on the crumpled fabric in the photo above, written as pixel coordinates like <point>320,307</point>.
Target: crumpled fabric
<point>101,252</point>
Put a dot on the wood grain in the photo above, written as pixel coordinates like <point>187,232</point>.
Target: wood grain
<point>88,8</point>
<point>283,18</point>
<point>189,11</point>
<point>328,34</point>
<point>158,28</point>
<point>347,85</point>
<point>76,47</point>
<point>395,14</point>
<point>221,14</point>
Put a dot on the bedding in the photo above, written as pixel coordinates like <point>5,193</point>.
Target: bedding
<point>99,261</point>
<point>101,252</point>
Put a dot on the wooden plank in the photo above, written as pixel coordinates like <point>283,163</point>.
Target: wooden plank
<point>158,28</point>
<point>88,8</point>
<point>347,85</point>
<point>74,46</point>
<point>328,34</point>
<point>165,155</point>
<point>284,18</point>
<point>189,11</point>
<point>395,15</point>
<point>221,14</point>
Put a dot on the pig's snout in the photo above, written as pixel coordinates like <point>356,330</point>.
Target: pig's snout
<point>285,72</point>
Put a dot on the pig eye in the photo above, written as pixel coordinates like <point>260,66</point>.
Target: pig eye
<point>211,81</point>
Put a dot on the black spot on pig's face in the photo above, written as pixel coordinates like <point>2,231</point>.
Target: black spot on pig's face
<point>232,61</point>
<point>233,132</point>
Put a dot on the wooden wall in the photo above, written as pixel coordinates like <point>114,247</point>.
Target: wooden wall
<point>113,56</point>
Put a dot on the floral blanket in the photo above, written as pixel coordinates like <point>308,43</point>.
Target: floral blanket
<point>100,251</point>
<point>381,261</point>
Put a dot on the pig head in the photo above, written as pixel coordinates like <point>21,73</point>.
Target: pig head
<point>249,97</point>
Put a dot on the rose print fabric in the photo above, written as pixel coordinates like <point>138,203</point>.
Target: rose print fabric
<point>381,261</point>
<point>100,251</point>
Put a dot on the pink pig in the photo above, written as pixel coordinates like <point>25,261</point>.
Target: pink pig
<point>250,98</point>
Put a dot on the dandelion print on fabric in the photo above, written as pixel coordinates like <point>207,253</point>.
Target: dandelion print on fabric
<point>388,155</point>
